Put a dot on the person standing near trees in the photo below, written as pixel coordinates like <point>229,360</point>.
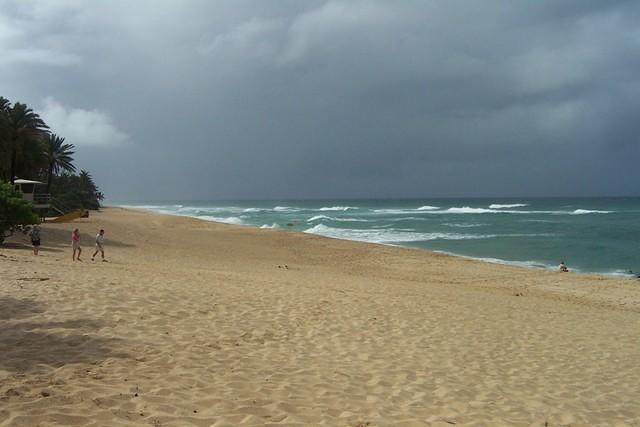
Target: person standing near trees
<point>35,238</point>
<point>75,244</point>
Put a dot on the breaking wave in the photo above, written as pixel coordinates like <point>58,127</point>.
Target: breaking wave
<point>285,209</point>
<point>337,208</point>
<point>318,218</point>
<point>330,218</point>
<point>207,210</point>
<point>513,205</point>
<point>467,209</point>
<point>394,211</point>
<point>587,211</point>
<point>228,220</point>
<point>391,236</point>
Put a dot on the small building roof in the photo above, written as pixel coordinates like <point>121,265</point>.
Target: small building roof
<point>26,181</point>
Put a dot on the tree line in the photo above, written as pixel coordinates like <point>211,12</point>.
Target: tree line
<point>28,149</point>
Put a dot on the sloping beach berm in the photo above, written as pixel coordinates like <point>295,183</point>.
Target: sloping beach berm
<point>195,323</point>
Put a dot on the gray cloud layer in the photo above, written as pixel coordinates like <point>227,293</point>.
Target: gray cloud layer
<point>261,99</point>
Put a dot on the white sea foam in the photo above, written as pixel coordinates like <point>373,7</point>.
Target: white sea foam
<point>622,273</point>
<point>539,265</point>
<point>492,210</point>
<point>512,205</point>
<point>470,210</point>
<point>389,236</point>
<point>463,225</point>
<point>393,211</point>
<point>208,210</point>
<point>401,211</point>
<point>528,264</point>
<point>318,218</point>
<point>220,211</point>
<point>330,218</point>
<point>587,211</point>
<point>227,220</point>
<point>404,211</point>
<point>467,209</point>
<point>274,225</point>
<point>437,210</point>
<point>336,208</point>
<point>406,218</point>
<point>194,211</point>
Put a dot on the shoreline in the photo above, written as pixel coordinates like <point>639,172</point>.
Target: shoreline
<point>419,253</point>
<point>200,323</point>
<point>487,260</point>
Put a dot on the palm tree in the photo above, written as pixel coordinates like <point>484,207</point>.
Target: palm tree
<point>4,123</point>
<point>90,195</point>
<point>58,156</point>
<point>22,124</point>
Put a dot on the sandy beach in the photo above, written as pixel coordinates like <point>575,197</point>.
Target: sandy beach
<point>195,323</point>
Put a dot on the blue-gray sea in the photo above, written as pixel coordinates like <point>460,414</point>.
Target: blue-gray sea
<point>600,235</point>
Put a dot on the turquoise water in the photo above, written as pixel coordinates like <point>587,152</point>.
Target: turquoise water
<point>599,235</point>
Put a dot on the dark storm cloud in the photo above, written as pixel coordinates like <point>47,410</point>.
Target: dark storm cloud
<point>243,99</point>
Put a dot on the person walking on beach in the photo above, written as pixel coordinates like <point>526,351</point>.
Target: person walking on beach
<point>99,246</point>
<point>35,238</point>
<point>75,244</point>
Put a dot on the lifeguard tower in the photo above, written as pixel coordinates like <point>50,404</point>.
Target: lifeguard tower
<point>43,203</point>
<point>28,190</point>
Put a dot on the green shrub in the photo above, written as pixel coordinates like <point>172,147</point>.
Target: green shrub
<point>15,212</point>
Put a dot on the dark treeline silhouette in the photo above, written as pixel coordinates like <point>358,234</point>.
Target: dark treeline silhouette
<point>29,150</point>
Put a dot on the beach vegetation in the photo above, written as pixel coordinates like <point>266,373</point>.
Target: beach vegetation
<point>15,212</point>
<point>22,135</point>
<point>75,191</point>
<point>29,150</point>
<point>58,156</point>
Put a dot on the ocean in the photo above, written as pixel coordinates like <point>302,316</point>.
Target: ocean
<point>598,235</point>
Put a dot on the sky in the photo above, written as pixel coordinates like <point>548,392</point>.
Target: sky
<point>204,100</point>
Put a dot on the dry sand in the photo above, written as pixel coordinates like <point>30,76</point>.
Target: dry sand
<point>205,324</point>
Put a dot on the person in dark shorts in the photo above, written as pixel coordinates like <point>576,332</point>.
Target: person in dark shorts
<point>35,238</point>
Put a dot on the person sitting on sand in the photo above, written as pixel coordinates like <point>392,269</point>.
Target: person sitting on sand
<point>35,238</point>
<point>75,244</point>
<point>563,267</point>
<point>99,246</point>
